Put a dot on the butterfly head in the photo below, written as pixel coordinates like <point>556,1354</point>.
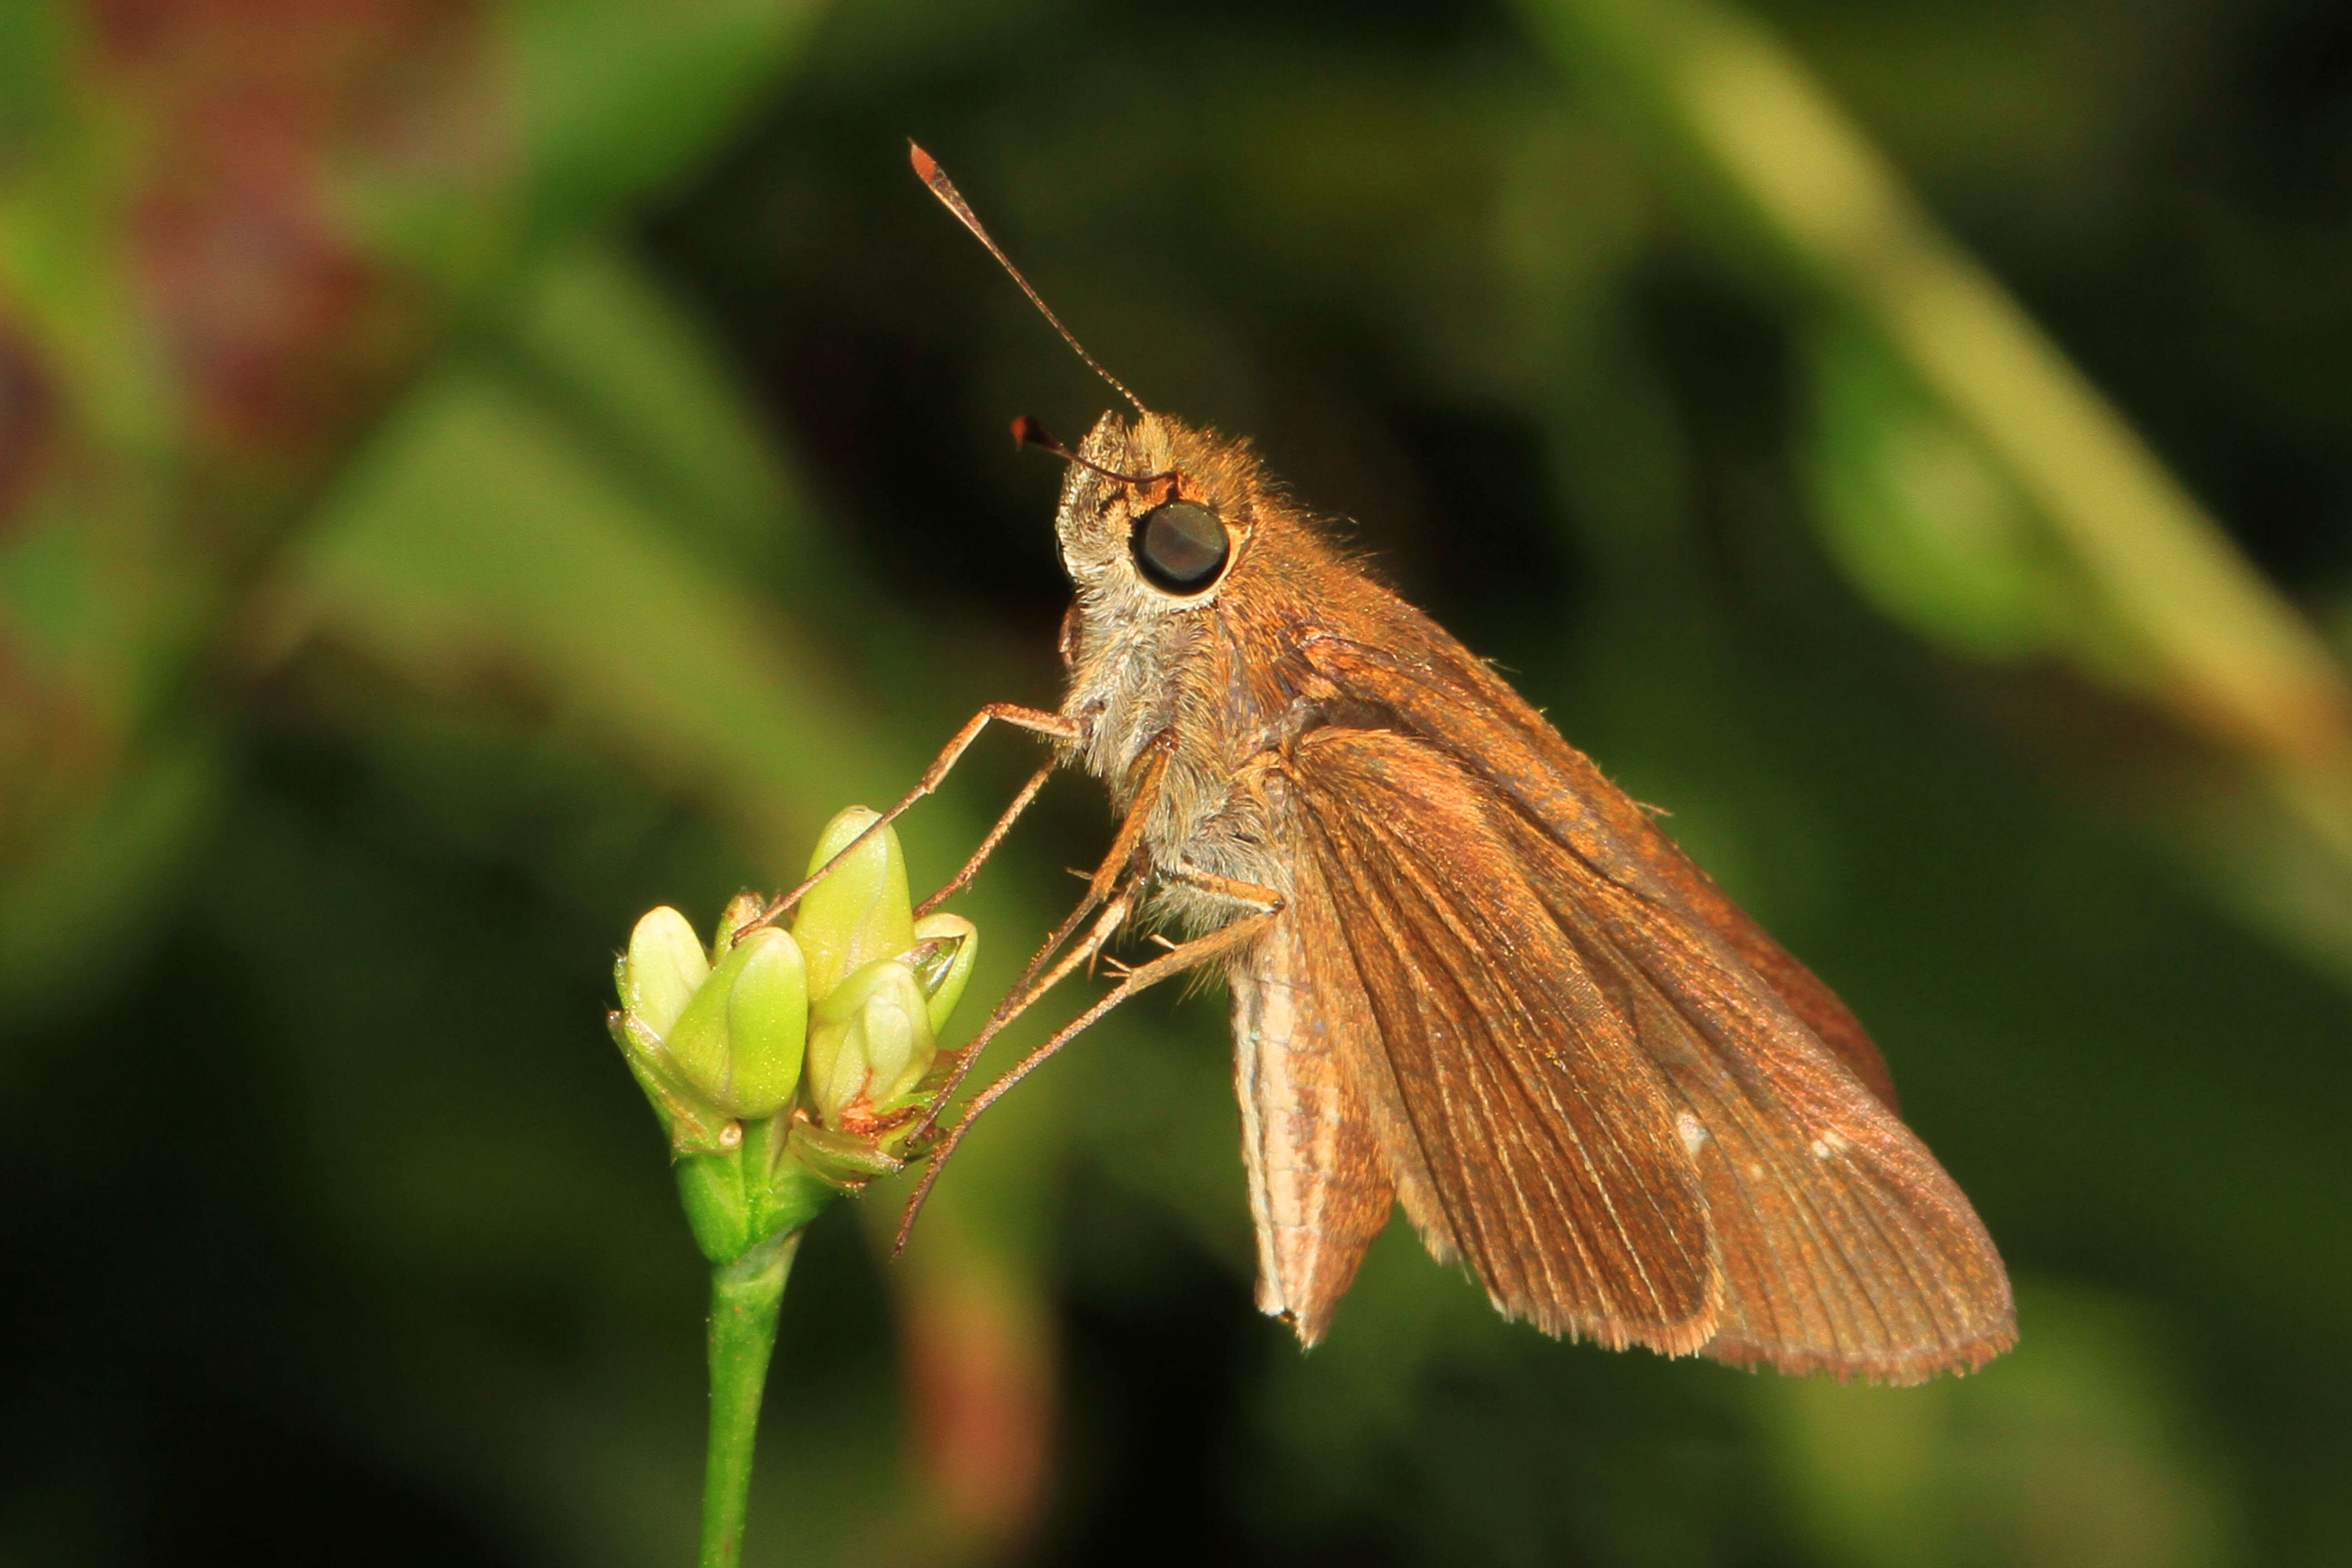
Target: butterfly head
<point>1178,548</point>
<point>1155,518</point>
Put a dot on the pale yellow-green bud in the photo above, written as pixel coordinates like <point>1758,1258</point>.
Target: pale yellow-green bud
<point>861,911</point>
<point>738,1042</point>
<point>870,1042</point>
<point>662,969</point>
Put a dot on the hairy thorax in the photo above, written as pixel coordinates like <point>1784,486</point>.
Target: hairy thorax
<point>1143,681</point>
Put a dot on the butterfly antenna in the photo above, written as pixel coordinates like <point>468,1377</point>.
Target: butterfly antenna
<point>928,168</point>
<point>1028,432</point>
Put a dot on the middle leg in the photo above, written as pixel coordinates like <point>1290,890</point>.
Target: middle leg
<point>1265,905</point>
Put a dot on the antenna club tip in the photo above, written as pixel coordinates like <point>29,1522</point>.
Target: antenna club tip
<point>929,171</point>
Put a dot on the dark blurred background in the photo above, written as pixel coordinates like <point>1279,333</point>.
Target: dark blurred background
<point>470,471</point>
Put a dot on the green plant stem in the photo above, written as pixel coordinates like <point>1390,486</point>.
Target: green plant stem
<point>744,1298</point>
<point>2229,658</point>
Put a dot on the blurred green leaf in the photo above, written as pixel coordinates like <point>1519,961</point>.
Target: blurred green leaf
<point>594,334</point>
<point>72,911</point>
<point>475,546</point>
<point>179,386</point>
<point>1974,404</point>
<point>620,97</point>
<point>32,87</point>
<point>1925,521</point>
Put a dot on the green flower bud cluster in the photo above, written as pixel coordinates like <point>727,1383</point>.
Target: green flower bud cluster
<point>791,1066</point>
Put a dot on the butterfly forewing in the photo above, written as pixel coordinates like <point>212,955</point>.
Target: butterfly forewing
<point>1500,898</point>
<point>1429,685</point>
<point>1547,1137</point>
<point>1845,1248</point>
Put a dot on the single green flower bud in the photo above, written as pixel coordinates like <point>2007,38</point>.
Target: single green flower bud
<point>861,911</point>
<point>767,1014</point>
<point>870,1042</point>
<point>946,946</point>
<point>662,969</point>
<point>738,1042</point>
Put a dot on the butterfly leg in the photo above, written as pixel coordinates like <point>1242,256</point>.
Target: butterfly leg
<point>962,880</point>
<point>1036,720</point>
<point>1151,770</point>
<point>1265,906</point>
<point>1025,995</point>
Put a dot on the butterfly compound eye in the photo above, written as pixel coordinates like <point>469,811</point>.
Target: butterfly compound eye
<point>1181,547</point>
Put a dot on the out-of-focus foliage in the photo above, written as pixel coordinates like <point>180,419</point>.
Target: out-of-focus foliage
<point>469,472</point>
